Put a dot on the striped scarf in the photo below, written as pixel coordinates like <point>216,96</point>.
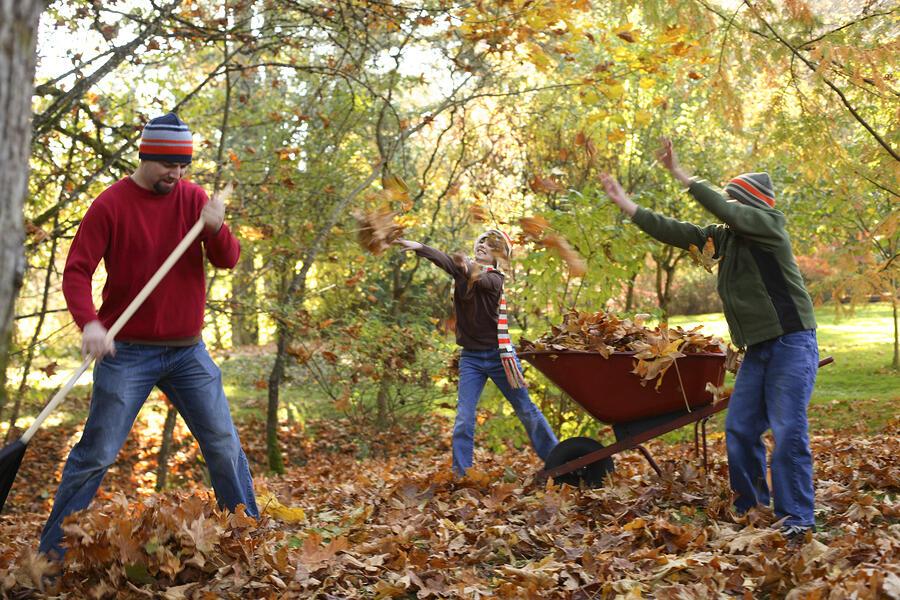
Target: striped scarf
<point>507,352</point>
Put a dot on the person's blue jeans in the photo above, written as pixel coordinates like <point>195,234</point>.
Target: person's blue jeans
<point>772,390</point>
<point>475,366</point>
<point>193,383</point>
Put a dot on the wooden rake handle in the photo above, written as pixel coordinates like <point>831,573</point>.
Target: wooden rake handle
<point>117,326</point>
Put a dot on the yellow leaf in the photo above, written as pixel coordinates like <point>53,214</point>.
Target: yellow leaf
<point>616,135</point>
<point>395,187</point>
<point>613,92</point>
<point>646,83</point>
<point>538,57</point>
<point>597,116</point>
<point>277,510</point>
<point>643,117</point>
<point>672,347</point>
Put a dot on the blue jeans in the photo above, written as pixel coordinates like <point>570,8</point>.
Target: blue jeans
<point>475,366</point>
<point>772,390</point>
<point>193,383</point>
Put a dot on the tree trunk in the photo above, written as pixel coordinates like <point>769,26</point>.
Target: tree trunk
<point>273,448</point>
<point>662,300</point>
<point>18,36</point>
<point>162,467</point>
<point>629,292</point>
<point>32,346</point>
<point>896,362</point>
<point>244,324</point>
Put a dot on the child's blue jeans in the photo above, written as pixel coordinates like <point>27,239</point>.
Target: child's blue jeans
<point>475,367</point>
<point>772,390</point>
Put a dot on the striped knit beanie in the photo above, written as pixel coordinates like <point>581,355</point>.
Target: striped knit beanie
<point>167,139</point>
<point>752,189</point>
<point>507,242</point>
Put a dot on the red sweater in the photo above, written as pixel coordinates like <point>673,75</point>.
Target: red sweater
<point>134,230</point>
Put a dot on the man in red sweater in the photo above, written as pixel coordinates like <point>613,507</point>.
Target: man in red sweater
<point>133,226</point>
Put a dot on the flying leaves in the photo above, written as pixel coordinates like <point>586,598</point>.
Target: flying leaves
<point>545,185</point>
<point>395,188</point>
<point>477,213</point>
<point>537,229</point>
<point>377,230</point>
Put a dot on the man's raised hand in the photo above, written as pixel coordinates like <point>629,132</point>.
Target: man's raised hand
<point>213,213</point>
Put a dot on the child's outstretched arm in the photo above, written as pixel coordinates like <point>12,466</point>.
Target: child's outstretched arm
<point>750,221</point>
<point>667,230</point>
<point>441,259</point>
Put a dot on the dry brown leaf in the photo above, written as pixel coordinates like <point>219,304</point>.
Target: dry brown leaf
<point>534,227</point>
<point>577,266</point>
<point>477,213</point>
<point>705,258</point>
<point>545,185</point>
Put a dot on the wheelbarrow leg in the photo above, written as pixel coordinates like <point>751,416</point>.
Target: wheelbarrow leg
<point>649,458</point>
<point>697,439</point>
<point>703,429</point>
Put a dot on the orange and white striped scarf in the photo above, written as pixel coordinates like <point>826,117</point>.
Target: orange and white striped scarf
<point>507,352</point>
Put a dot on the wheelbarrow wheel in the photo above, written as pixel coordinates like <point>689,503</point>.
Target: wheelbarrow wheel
<point>573,448</point>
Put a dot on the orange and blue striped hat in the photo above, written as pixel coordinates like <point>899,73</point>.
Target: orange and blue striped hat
<point>752,189</point>
<point>167,139</point>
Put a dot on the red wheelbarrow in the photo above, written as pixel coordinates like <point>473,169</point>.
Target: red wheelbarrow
<point>608,390</point>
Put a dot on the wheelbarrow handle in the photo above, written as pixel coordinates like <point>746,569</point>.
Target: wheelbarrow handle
<point>117,326</point>
<point>826,361</point>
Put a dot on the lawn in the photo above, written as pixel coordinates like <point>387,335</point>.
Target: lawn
<point>859,390</point>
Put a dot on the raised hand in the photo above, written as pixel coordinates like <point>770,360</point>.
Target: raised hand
<point>407,245</point>
<point>213,213</point>
<point>617,194</point>
<point>669,159</point>
<point>666,154</point>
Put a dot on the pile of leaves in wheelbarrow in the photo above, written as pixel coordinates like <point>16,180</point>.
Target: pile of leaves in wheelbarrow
<point>655,349</point>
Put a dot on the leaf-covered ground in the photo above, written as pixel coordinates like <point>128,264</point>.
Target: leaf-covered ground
<point>396,525</point>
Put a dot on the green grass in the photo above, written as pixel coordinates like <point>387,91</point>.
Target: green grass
<point>859,390</point>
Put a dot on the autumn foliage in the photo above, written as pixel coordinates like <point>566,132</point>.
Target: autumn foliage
<point>396,525</point>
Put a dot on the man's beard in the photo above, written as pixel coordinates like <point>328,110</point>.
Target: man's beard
<point>162,191</point>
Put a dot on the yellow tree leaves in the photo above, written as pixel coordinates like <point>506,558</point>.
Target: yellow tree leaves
<point>524,26</point>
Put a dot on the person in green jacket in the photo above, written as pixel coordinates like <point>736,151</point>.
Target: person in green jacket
<point>770,314</point>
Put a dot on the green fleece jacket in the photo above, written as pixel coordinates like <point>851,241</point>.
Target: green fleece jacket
<point>759,282</point>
